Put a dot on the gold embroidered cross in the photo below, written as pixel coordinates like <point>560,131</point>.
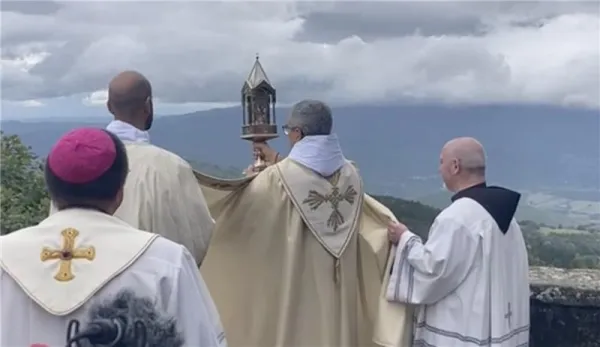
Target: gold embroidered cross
<point>67,254</point>
<point>334,197</point>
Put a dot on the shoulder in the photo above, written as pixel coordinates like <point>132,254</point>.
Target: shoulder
<point>463,213</point>
<point>166,252</point>
<point>153,155</point>
<point>12,237</point>
<point>267,175</point>
<point>149,159</point>
<point>353,164</point>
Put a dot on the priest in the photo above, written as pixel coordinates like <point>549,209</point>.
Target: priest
<point>299,253</point>
<point>470,279</point>
<point>55,271</point>
<point>161,193</point>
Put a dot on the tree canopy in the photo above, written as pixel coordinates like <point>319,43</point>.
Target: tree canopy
<point>23,198</point>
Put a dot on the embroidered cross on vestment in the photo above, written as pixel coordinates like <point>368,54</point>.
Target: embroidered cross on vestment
<point>508,315</point>
<point>67,254</point>
<point>315,199</point>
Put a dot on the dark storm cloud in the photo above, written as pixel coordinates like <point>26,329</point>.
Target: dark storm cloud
<point>31,7</point>
<point>227,87</point>
<point>376,20</point>
<point>387,19</point>
<point>197,51</point>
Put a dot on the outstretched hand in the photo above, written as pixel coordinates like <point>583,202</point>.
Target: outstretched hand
<point>249,171</point>
<point>268,154</point>
<point>395,231</point>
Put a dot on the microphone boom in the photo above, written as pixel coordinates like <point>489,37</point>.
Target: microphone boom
<point>125,321</point>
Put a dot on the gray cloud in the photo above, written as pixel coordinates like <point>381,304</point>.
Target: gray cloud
<point>473,52</point>
<point>30,7</point>
<point>387,20</point>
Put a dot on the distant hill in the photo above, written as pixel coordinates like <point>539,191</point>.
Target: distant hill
<point>553,213</point>
<point>24,202</point>
<point>565,248</point>
<point>538,149</point>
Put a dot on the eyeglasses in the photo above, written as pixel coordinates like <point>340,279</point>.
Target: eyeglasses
<point>287,130</point>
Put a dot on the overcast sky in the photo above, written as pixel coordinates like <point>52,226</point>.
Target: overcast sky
<point>57,57</point>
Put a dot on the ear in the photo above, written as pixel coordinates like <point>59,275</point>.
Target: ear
<point>455,166</point>
<point>119,198</point>
<point>109,107</point>
<point>148,105</point>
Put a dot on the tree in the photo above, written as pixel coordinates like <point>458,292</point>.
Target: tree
<point>23,198</point>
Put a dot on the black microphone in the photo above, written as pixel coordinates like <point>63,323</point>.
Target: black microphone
<point>126,320</point>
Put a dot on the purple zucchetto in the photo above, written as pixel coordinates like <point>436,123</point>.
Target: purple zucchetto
<point>82,155</point>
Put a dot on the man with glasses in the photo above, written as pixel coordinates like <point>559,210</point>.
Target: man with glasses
<point>298,252</point>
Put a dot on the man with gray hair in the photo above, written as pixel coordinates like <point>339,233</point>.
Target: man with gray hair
<point>471,276</point>
<point>299,250</point>
<point>310,123</point>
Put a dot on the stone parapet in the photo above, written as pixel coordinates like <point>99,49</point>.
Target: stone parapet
<point>565,307</point>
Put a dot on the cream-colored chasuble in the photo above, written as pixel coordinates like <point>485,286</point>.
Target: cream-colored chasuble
<point>299,260</point>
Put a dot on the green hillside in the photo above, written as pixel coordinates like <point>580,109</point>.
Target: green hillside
<point>541,208</point>
<point>24,202</point>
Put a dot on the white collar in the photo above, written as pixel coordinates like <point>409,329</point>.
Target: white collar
<point>127,132</point>
<point>320,153</point>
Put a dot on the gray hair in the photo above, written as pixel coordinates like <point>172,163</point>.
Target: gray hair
<point>312,117</point>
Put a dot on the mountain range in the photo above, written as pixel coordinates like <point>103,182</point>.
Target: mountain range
<point>546,150</point>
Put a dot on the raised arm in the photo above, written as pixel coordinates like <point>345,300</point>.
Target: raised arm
<point>197,315</point>
<point>426,273</point>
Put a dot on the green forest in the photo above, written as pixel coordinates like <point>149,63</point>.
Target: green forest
<point>24,202</point>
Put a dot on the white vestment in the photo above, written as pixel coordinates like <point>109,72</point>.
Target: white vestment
<point>40,293</point>
<point>470,280</point>
<point>161,193</point>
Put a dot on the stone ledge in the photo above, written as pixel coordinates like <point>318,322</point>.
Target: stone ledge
<point>565,307</point>
<point>573,287</point>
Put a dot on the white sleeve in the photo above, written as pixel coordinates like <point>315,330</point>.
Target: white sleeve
<point>426,273</point>
<point>184,217</point>
<point>197,316</point>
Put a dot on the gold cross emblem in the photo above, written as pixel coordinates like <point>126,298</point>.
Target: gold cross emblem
<point>67,254</point>
<point>315,199</point>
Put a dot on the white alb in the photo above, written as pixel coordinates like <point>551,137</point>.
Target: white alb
<point>470,281</point>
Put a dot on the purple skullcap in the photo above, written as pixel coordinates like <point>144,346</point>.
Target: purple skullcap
<point>82,155</point>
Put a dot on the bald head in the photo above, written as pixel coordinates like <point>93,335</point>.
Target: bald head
<point>130,97</point>
<point>468,152</point>
<point>462,163</point>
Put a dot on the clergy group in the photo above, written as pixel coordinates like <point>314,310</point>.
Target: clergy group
<point>296,255</point>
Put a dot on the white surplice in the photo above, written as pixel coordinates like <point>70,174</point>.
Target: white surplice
<point>38,296</point>
<point>470,280</point>
<point>161,193</point>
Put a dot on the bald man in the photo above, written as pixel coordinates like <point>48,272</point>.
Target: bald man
<point>470,279</point>
<point>161,192</point>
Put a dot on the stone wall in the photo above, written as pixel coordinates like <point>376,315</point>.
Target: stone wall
<point>565,307</point>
